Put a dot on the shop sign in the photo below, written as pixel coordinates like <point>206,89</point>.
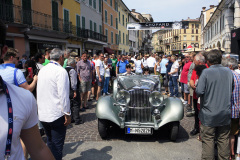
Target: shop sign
<point>47,45</point>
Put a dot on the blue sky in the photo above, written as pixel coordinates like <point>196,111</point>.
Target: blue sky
<point>170,10</point>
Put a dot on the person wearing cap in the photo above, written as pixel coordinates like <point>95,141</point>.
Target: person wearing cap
<point>128,70</point>
<point>121,65</point>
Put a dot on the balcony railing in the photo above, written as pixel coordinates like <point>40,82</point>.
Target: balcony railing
<point>17,15</point>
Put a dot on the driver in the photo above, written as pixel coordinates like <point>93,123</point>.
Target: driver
<point>129,71</point>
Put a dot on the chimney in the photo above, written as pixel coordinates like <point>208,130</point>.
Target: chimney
<point>203,8</point>
<point>133,10</point>
<point>211,6</point>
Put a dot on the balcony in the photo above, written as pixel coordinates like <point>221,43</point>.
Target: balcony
<point>17,16</point>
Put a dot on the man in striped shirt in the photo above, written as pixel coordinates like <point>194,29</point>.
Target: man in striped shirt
<point>235,102</point>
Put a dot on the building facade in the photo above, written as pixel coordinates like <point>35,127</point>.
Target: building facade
<point>72,18</point>
<point>31,28</point>
<point>92,26</point>
<point>123,19</point>
<point>216,33</point>
<point>148,34</point>
<point>176,41</point>
<point>133,36</point>
<point>141,33</point>
<point>110,25</point>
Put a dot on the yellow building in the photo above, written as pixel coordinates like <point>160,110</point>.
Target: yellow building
<point>123,13</point>
<point>71,21</point>
<point>157,43</point>
<point>176,41</point>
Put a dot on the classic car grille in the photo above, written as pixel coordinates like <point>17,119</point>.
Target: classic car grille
<point>139,98</point>
<point>139,106</point>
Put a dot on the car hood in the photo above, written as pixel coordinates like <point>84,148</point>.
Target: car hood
<point>138,82</point>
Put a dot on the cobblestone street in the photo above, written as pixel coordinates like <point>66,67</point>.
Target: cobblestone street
<point>89,130</point>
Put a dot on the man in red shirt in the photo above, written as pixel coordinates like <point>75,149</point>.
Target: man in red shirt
<point>184,79</point>
<point>199,59</point>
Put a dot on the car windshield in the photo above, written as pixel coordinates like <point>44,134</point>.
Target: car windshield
<point>138,81</point>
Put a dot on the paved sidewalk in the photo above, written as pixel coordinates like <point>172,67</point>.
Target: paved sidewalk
<point>84,143</point>
<point>122,150</point>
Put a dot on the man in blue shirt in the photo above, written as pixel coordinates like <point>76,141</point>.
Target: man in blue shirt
<point>12,75</point>
<point>163,72</point>
<point>121,65</point>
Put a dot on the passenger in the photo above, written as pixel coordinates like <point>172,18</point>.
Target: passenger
<point>146,71</point>
<point>129,72</point>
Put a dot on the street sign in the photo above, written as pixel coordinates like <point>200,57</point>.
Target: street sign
<point>158,25</point>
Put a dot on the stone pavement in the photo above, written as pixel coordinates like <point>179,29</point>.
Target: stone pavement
<point>89,130</point>
<point>84,143</point>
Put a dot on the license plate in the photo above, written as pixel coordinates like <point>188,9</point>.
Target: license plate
<point>139,131</point>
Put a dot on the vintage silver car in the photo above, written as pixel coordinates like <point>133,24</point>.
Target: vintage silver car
<point>138,106</point>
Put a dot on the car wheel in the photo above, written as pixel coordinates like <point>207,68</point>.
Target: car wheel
<point>103,128</point>
<point>174,127</point>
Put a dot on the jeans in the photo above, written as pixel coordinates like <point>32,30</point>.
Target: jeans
<point>173,85</point>
<point>106,84</point>
<point>56,132</point>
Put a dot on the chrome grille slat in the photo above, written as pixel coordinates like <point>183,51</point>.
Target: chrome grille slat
<point>139,106</point>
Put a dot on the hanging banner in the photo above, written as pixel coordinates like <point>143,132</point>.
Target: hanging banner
<point>158,25</point>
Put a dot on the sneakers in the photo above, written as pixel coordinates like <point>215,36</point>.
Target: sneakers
<point>82,110</point>
<point>194,132</point>
<point>185,102</point>
<point>166,93</point>
<point>108,93</point>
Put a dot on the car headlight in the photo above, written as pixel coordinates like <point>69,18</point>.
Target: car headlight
<point>123,97</point>
<point>155,98</point>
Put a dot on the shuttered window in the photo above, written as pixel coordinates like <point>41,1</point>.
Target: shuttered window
<point>94,4</point>
<point>91,25</point>
<point>100,5</point>
<point>78,25</point>
<point>83,23</point>
<point>27,14</point>
<point>55,16</point>
<point>95,27</point>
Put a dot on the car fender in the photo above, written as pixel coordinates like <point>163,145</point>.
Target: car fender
<point>173,111</point>
<point>106,110</point>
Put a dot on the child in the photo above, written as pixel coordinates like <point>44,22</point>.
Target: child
<point>145,71</point>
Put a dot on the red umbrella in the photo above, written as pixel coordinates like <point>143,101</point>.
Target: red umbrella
<point>189,47</point>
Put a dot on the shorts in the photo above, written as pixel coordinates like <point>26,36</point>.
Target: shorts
<point>234,126</point>
<point>186,88</point>
<point>85,86</point>
<point>100,84</point>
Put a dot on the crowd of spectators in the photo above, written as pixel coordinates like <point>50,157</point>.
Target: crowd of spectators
<point>63,84</point>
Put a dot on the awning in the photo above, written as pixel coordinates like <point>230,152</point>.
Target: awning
<point>108,50</point>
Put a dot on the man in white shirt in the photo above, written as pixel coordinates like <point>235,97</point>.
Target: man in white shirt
<point>173,84</point>
<point>100,71</point>
<point>144,60</point>
<point>53,102</point>
<point>24,112</point>
<point>151,63</point>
